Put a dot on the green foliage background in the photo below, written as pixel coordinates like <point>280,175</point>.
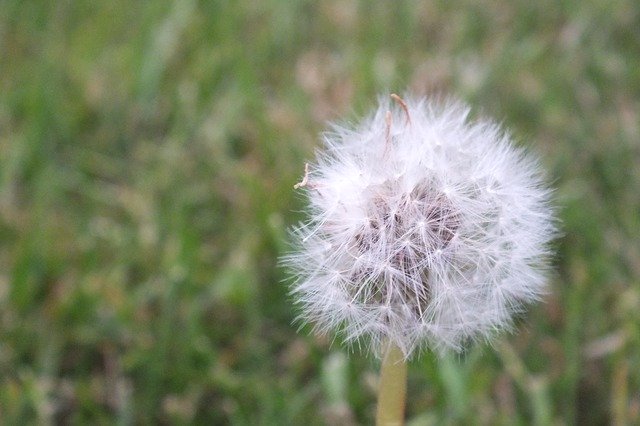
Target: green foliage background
<point>147,156</point>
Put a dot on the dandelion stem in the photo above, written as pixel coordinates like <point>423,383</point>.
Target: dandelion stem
<point>388,119</point>
<point>393,388</point>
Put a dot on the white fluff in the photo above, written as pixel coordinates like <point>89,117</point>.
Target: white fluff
<point>425,229</point>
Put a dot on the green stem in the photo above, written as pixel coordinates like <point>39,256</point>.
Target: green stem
<point>392,389</point>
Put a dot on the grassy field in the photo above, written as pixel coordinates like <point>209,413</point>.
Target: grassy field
<point>147,156</point>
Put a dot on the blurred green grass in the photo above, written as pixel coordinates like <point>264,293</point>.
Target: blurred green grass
<point>147,156</point>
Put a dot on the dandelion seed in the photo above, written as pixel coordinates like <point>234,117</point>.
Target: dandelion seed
<point>425,229</point>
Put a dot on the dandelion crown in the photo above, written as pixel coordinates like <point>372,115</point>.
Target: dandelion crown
<point>425,229</point>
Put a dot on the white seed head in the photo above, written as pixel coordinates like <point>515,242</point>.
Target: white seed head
<point>425,229</point>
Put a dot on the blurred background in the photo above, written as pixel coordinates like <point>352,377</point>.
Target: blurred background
<point>147,156</point>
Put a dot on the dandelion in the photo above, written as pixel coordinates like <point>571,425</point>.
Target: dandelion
<point>425,230</point>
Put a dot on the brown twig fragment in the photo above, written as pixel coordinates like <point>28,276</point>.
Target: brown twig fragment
<point>403,105</point>
<point>305,179</point>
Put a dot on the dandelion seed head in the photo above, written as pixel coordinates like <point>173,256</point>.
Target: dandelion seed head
<point>425,228</point>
